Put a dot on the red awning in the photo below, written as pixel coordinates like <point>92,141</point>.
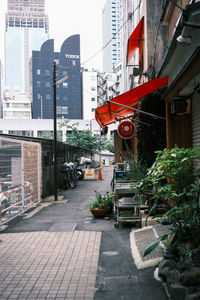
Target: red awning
<point>106,114</point>
<point>135,40</point>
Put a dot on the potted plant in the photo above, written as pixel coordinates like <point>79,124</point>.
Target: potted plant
<point>101,206</point>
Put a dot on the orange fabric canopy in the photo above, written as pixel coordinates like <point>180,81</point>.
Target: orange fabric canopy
<point>135,40</point>
<point>106,114</point>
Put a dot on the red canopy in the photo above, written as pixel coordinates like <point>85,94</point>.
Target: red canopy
<point>106,114</point>
<point>135,40</point>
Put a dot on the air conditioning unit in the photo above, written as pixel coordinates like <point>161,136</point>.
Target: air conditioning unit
<point>178,105</point>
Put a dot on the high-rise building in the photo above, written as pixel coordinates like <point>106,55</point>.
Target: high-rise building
<point>1,90</point>
<point>111,35</point>
<point>68,92</point>
<point>26,30</point>
<point>89,88</point>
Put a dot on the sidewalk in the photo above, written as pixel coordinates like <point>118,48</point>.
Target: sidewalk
<point>62,252</point>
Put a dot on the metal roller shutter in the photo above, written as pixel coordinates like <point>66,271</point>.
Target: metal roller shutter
<point>196,124</point>
<point>196,121</point>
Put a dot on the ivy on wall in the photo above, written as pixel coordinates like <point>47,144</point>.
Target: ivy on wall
<point>151,132</point>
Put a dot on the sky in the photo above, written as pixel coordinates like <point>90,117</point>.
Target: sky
<point>68,17</point>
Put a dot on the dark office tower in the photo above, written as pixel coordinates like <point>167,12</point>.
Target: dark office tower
<point>68,93</point>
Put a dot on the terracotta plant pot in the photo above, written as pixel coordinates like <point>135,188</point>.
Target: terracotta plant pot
<point>100,212</point>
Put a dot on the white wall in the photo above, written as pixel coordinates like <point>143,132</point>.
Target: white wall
<point>89,90</point>
<point>35,125</point>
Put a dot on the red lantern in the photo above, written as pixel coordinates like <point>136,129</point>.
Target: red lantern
<point>126,129</point>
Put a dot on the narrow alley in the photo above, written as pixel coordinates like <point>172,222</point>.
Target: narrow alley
<point>59,251</point>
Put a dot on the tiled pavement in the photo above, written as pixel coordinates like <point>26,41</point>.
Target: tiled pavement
<point>49,265</point>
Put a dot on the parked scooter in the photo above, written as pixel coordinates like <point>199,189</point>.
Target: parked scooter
<point>83,164</point>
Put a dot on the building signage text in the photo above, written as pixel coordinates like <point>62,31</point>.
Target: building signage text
<point>74,56</point>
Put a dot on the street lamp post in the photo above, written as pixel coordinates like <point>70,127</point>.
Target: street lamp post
<point>55,127</point>
<point>55,132</point>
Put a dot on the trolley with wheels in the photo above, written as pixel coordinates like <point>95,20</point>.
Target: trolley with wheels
<point>127,210</point>
<point>126,205</point>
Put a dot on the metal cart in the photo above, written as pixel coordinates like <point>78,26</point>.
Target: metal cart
<point>126,208</point>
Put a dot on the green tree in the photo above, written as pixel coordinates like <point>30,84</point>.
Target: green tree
<point>109,145</point>
<point>84,138</point>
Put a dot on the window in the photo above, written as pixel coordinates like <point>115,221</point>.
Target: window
<point>92,77</point>
<point>92,99</point>
<point>56,61</point>
<point>48,97</point>
<point>93,109</point>
<point>59,110</point>
<point>38,72</point>
<point>92,88</point>
<point>47,72</point>
<point>73,62</point>
<point>65,84</point>
<point>47,84</point>
<point>65,110</point>
<point>64,73</point>
<point>38,95</point>
<point>38,83</point>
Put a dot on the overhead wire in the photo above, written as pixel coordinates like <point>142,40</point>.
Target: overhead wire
<point>112,36</point>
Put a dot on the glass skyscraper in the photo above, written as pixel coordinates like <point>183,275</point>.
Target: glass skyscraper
<point>26,30</point>
<point>111,35</point>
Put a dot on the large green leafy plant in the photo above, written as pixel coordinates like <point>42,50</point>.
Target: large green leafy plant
<point>174,181</point>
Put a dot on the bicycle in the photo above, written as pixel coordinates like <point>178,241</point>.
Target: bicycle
<point>71,175</point>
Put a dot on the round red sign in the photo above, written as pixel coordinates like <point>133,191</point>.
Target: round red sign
<point>126,129</point>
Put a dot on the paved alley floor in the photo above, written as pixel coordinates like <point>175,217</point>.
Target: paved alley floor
<point>49,265</point>
<point>62,252</point>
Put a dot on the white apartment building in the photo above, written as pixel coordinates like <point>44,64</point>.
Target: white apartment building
<point>89,94</point>
<point>16,105</point>
<point>107,87</point>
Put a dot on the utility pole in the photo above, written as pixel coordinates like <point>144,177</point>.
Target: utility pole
<point>55,127</point>
<point>55,131</point>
